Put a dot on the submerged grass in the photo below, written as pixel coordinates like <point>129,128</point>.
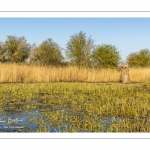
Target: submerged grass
<point>81,107</point>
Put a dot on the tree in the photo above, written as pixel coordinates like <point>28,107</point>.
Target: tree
<point>105,56</point>
<point>79,49</point>
<point>2,53</point>
<point>139,59</point>
<point>47,53</point>
<point>16,49</point>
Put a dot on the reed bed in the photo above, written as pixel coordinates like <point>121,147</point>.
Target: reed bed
<point>31,73</point>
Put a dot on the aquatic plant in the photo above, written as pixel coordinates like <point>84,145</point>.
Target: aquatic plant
<point>80,107</point>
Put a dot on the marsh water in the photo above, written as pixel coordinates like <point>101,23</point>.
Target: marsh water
<point>31,121</point>
<point>70,107</point>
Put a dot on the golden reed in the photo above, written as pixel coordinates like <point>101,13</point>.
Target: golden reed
<point>11,72</point>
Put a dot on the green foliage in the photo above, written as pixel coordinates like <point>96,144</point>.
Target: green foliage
<point>139,59</point>
<point>79,49</point>
<point>16,49</point>
<point>48,53</point>
<point>105,56</point>
<point>2,53</point>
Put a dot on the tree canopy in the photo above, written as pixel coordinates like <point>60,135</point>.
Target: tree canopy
<point>139,59</point>
<point>79,49</point>
<point>105,56</point>
<point>2,53</point>
<point>47,53</point>
<point>15,49</point>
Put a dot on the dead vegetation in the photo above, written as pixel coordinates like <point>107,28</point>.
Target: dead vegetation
<point>124,73</point>
<point>11,73</point>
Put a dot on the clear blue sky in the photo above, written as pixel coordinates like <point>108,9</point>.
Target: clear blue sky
<point>127,34</point>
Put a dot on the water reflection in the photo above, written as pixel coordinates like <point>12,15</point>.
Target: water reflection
<point>34,121</point>
<point>19,122</point>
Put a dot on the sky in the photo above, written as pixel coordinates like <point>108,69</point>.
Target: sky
<point>127,34</point>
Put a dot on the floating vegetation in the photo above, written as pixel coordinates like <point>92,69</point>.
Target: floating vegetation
<point>74,107</point>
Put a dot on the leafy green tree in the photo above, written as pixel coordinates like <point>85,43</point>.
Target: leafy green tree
<point>79,49</point>
<point>47,53</point>
<point>139,59</point>
<point>105,56</point>
<point>2,53</point>
<point>16,49</point>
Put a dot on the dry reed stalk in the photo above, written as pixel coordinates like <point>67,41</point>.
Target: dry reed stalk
<point>32,73</point>
<point>139,74</point>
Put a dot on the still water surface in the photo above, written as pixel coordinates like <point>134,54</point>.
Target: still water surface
<point>30,121</point>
